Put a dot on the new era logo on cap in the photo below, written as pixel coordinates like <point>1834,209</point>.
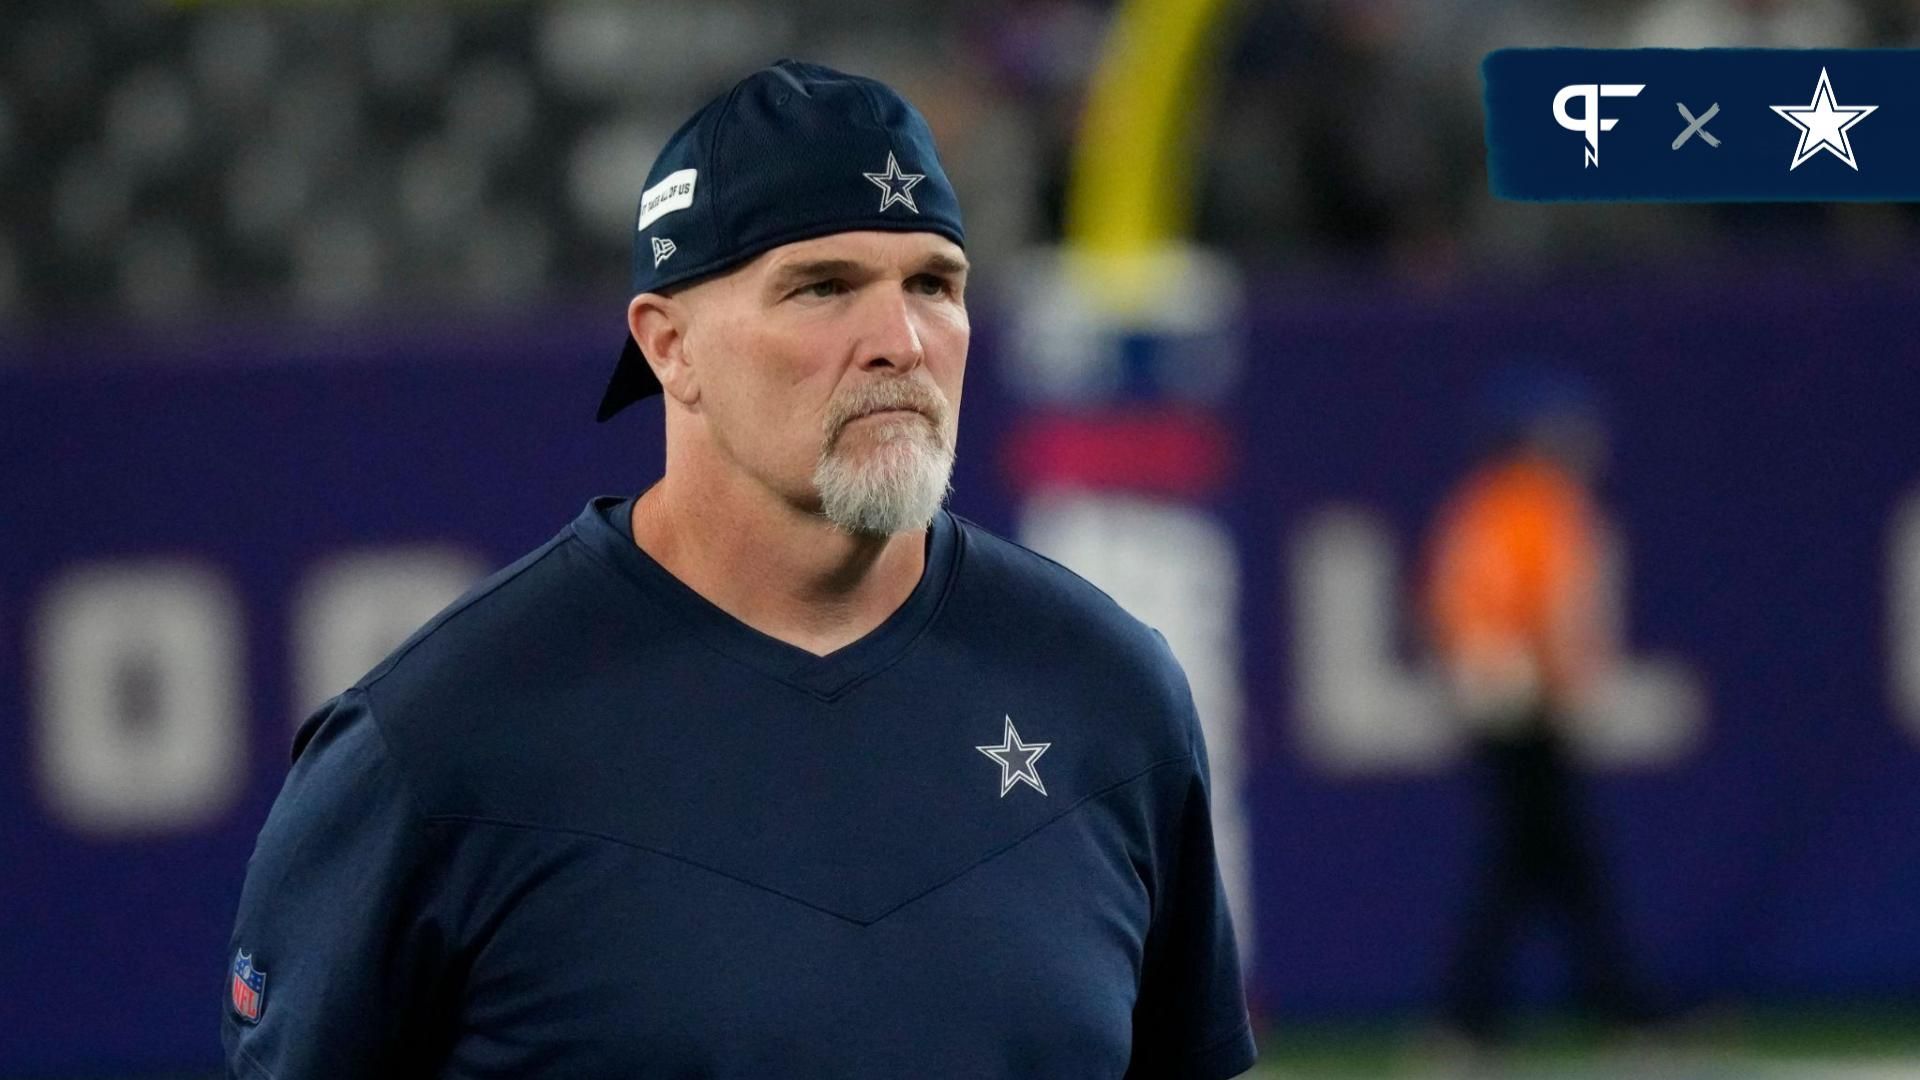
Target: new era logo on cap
<point>662,248</point>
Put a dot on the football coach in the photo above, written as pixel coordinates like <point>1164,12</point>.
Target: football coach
<point>779,768</point>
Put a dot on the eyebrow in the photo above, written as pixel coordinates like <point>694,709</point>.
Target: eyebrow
<point>812,269</point>
<point>940,263</point>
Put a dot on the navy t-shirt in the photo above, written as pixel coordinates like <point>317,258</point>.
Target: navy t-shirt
<point>586,824</point>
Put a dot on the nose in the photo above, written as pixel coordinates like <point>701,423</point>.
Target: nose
<point>889,337</point>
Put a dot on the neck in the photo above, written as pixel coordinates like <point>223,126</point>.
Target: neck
<point>782,570</point>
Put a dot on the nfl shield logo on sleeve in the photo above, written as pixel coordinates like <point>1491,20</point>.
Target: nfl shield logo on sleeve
<point>249,988</point>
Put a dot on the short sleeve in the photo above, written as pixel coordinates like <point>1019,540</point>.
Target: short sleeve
<point>1190,1020</point>
<point>336,953</point>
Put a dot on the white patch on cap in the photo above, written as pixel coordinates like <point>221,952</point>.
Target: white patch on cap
<point>663,198</point>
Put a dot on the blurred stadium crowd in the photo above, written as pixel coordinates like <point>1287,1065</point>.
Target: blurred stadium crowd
<point>170,161</point>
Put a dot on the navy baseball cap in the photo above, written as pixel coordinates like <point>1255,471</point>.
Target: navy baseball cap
<point>793,151</point>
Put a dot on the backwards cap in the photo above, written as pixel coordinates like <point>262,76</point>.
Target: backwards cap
<point>792,152</point>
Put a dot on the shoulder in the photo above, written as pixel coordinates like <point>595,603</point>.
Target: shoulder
<point>479,635</point>
<point>1027,601</point>
<point>456,695</point>
<point>499,594</point>
<point>1039,587</point>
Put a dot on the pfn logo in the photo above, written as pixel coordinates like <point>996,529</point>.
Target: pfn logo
<point>1589,122</point>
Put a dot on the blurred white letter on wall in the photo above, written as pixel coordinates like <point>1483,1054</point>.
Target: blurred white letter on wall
<point>139,693</point>
<point>1903,614</point>
<point>1359,708</point>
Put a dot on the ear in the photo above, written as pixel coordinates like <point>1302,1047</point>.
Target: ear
<point>658,324</point>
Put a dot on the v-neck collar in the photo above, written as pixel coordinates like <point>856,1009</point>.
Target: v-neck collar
<point>605,526</point>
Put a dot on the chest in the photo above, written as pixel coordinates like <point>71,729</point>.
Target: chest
<point>605,957</point>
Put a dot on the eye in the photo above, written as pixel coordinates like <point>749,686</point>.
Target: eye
<point>825,288</point>
<point>931,284</point>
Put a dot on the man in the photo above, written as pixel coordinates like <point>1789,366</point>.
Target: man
<point>778,769</point>
<point>1515,608</point>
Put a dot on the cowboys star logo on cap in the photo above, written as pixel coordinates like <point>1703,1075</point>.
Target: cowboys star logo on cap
<point>898,186</point>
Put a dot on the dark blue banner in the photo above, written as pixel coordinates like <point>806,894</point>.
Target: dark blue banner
<point>1703,125</point>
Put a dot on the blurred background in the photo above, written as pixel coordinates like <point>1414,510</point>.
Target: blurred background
<point>305,308</point>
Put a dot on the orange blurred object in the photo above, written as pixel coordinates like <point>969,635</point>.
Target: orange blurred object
<point>1513,583</point>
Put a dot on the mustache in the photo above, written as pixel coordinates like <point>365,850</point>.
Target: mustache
<point>887,394</point>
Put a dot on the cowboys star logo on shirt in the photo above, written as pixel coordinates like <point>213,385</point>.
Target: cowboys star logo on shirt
<point>1018,760</point>
<point>897,187</point>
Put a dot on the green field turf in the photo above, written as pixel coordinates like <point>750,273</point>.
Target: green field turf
<point>1852,1045</point>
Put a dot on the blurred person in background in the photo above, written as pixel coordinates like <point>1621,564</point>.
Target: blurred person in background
<point>1513,603</point>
